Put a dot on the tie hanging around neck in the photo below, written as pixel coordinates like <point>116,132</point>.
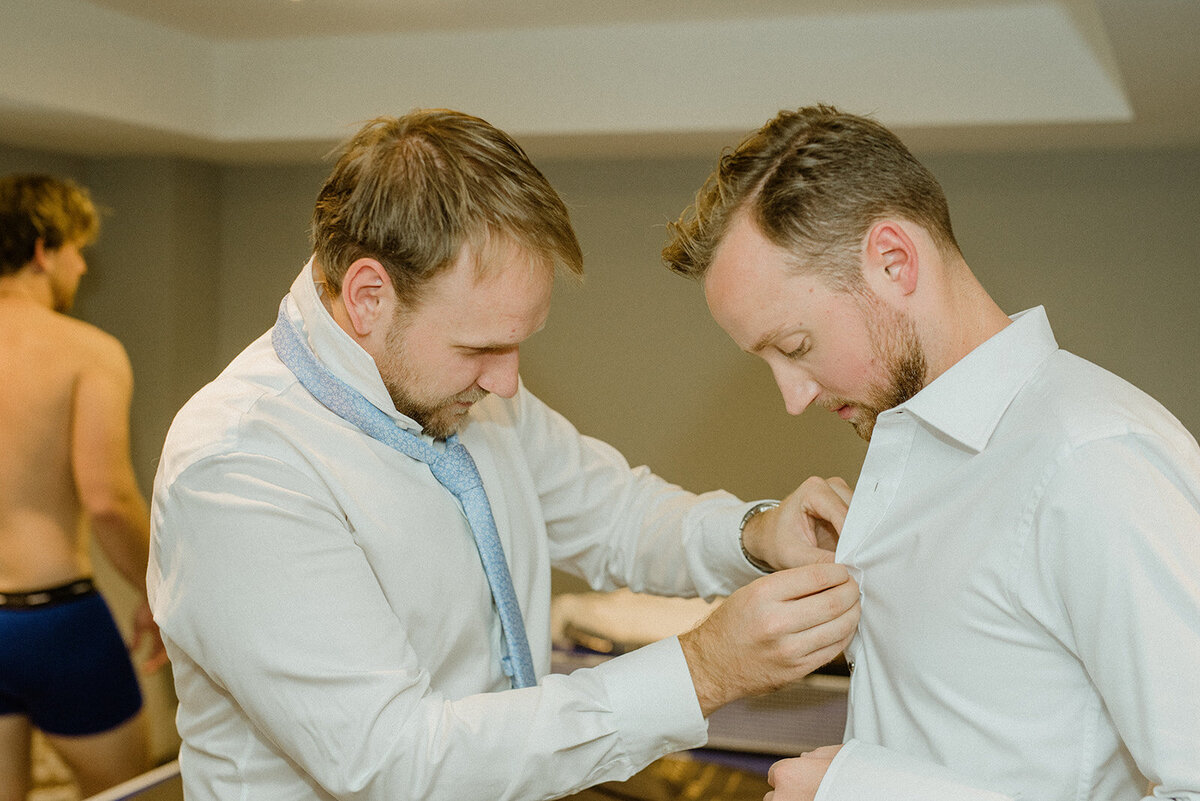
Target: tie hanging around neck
<point>453,468</point>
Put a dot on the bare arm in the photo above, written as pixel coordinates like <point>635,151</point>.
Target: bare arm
<point>104,478</point>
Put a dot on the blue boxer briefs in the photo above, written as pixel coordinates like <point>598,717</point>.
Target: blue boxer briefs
<point>65,667</point>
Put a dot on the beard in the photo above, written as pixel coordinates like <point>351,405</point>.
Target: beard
<point>439,415</point>
<point>894,342</point>
<point>62,296</point>
<point>438,419</point>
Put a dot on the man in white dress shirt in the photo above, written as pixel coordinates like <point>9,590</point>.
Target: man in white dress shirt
<point>321,595</point>
<point>1026,526</point>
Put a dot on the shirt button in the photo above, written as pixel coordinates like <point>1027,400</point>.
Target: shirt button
<point>851,665</point>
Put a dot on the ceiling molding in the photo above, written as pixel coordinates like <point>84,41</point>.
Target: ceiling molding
<point>111,82</point>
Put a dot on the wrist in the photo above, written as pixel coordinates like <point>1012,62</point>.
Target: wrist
<point>707,691</point>
<point>749,521</point>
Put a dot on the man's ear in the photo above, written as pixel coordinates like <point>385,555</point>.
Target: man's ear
<point>40,255</point>
<point>892,259</point>
<point>367,295</point>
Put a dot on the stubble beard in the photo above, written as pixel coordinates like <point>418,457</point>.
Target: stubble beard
<point>895,343</point>
<point>438,417</point>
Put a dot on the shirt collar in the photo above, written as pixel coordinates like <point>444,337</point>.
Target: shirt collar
<point>968,400</point>
<point>340,354</point>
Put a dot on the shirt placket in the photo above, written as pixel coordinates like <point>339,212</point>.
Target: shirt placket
<point>891,444</point>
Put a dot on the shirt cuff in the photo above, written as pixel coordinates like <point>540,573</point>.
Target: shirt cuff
<point>716,560</point>
<point>861,770</point>
<point>653,700</point>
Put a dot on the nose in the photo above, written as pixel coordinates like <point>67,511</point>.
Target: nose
<point>798,390</point>
<point>500,373</point>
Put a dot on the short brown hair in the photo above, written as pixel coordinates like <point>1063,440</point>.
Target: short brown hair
<point>411,191</point>
<point>34,206</point>
<point>814,181</point>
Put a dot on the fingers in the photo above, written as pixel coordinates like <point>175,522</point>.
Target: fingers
<point>824,752</point>
<point>805,608</point>
<point>803,617</point>
<point>156,661</point>
<point>771,632</point>
<point>842,489</point>
<point>804,529</point>
<point>145,630</point>
<point>800,582</point>
<point>822,500</point>
<point>809,648</point>
<point>799,778</point>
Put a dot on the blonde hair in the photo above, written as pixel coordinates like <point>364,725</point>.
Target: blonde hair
<point>33,206</point>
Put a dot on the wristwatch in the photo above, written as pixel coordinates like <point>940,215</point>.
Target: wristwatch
<point>758,508</point>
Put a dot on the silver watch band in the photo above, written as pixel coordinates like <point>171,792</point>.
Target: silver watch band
<point>758,508</point>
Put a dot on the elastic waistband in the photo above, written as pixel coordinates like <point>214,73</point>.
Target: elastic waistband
<point>47,597</point>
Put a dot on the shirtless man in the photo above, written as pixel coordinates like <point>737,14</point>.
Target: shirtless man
<point>65,468</point>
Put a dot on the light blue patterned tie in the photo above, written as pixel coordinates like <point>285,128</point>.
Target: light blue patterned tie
<point>453,468</point>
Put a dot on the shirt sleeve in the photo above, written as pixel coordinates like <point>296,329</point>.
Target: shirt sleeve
<point>257,582</point>
<point>618,526</point>
<point>1117,547</point>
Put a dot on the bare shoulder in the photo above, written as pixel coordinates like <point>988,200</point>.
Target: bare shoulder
<point>49,344</point>
<point>93,348</point>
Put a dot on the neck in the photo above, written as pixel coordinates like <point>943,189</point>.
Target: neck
<point>969,318</point>
<point>26,286</point>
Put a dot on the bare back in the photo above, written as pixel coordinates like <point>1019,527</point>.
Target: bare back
<point>63,383</point>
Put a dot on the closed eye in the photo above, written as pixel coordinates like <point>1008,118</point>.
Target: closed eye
<point>486,350</point>
<point>799,352</point>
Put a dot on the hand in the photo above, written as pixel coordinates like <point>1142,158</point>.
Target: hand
<point>770,633</point>
<point>146,630</point>
<point>804,529</point>
<point>798,779</point>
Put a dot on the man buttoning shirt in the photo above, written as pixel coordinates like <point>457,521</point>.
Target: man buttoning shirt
<point>354,524</point>
<point>1026,527</point>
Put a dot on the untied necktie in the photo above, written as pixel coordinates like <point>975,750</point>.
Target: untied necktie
<point>453,468</point>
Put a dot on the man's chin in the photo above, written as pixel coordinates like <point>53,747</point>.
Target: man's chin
<point>441,429</point>
<point>864,425</point>
<point>446,422</point>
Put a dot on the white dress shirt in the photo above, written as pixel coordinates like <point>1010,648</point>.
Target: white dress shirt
<point>1026,533</point>
<point>329,621</point>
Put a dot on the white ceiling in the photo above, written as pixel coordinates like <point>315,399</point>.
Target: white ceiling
<point>237,80</point>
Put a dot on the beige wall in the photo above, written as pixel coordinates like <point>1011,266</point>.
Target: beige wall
<point>1103,240</point>
<point>194,258</point>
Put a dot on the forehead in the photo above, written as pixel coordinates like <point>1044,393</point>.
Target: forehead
<point>758,293</point>
<point>498,295</point>
<point>748,282</point>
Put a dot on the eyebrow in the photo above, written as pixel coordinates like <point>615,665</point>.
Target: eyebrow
<point>497,346</point>
<point>766,339</point>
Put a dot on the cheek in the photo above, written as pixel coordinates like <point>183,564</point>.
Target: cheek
<point>455,373</point>
<point>863,360</point>
<point>849,372</point>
